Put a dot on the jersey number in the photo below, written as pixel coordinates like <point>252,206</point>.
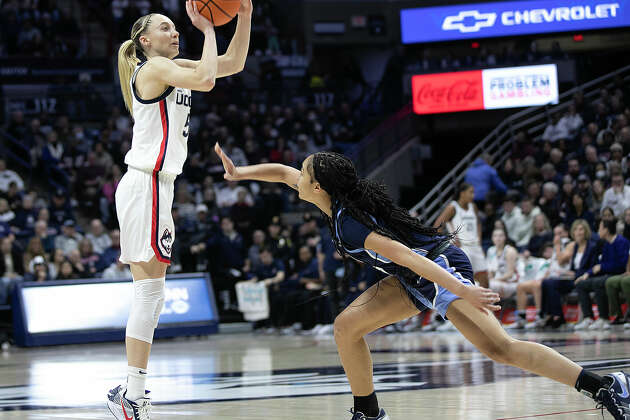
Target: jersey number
<point>186,128</point>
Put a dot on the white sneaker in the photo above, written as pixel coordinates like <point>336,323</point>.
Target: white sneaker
<point>446,326</point>
<point>537,323</point>
<point>124,409</point>
<point>600,324</point>
<point>518,325</point>
<point>584,324</point>
<point>626,326</point>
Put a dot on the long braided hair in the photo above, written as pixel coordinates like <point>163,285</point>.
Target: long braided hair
<point>363,199</point>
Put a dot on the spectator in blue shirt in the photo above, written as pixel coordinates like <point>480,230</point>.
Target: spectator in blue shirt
<point>613,261</point>
<point>484,178</point>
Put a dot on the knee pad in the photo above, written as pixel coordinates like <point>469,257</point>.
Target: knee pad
<point>148,301</point>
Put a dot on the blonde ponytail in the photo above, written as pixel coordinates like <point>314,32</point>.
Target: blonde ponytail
<point>127,62</point>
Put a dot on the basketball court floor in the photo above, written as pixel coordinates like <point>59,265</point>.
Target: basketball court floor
<point>247,376</point>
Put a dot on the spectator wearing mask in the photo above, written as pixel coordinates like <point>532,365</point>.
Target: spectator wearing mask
<point>613,261</point>
<point>484,179</point>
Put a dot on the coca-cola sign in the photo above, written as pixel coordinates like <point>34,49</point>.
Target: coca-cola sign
<point>447,92</point>
<point>485,89</point>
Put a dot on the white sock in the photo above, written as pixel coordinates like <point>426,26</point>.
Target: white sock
<point>136,381</point>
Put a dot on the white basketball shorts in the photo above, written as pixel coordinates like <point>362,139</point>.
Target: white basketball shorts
<point>143,203</point>
<point>476,257</point>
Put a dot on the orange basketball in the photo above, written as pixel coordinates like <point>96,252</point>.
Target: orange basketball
<point>219,12</point>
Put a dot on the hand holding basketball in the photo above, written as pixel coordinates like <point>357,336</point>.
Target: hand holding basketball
<point>231,173</point>
<point>196,18</point>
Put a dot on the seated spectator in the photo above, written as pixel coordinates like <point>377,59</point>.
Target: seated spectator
<point>541,233</point>
<point>111,253</point>
<point>33,248</point>
<point>523,231</point>
<point>37,270</point>
<point>484,178</point>
<point>607,213</point>
<point>271,272</point>
<point>78,268</point>
<point>512,216</point>
<point>69,238</point>
<point>45,235</point>
<point>578,210</point>
<point>598,195</point>
<point>55,265</point>
<point>66,271</point>
<point>98,237</point>
<point>615,286</point>
<point>60,209</point>
<point>618,195</point>
<point>117,271</point>
<point>8,176</point>
<point>555,130</point>
<point>501,259</point>
<point>25,216</point>
<point>613,261</point>
<point>582,253</point>
<point>572,121</point>
<point>89,259</point>
<point>253,254</point>
<point>626,223</point>
<point>6,214</point>
<point>531,271</point>
<point>11,268</point>
<point>228,195</point>
<point>549,203</point>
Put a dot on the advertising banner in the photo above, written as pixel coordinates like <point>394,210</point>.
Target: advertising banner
<point>508,87</point>
<point>510,18</point>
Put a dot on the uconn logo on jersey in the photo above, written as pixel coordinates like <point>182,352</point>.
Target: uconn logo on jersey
<point>183,99</point>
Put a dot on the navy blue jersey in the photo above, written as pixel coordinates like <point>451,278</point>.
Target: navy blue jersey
<point>350,234</point>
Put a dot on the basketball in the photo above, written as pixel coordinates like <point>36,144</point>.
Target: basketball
<point>219,12</point>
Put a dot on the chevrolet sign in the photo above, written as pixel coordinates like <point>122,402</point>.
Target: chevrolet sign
<point>486,20</point>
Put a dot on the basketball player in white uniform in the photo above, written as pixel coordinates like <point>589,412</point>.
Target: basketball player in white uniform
<point>157,93</point>
<point>461,216</point>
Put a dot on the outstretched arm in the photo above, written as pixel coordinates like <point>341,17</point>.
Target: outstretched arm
<point>400,254</point>
<point>268,172</point>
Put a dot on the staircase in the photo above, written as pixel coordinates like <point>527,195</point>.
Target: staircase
<point>499,142</point>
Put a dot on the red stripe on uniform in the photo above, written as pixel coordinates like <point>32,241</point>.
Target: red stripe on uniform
<point>154,180</point>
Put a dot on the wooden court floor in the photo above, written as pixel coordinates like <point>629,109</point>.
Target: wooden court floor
<point>247,376</point>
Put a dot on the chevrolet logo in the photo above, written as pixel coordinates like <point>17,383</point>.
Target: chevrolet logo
<point>458,23</point>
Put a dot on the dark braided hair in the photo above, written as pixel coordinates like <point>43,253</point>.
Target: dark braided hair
<point>363,198</point>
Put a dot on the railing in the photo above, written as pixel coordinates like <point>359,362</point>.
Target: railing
<point>498,143</point>
<point>383,140</point>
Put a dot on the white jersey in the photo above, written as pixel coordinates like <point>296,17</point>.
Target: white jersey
<point>160,130</point>
<point>466,222</point>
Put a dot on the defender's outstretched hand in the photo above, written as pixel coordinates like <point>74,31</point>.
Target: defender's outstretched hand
<point>231,173</point>
<point>482,298</point>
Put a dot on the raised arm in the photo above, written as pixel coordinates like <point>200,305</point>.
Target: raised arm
<point>403,256</point>
<point>200,77</point>
<point>268,172</point>
<point>233,61</point>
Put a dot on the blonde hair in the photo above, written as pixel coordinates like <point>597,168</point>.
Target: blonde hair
<point>584,224</point>
<point>127,59</point>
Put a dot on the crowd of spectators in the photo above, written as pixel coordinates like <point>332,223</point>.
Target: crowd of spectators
<point>38,28</point>
<point>555,217</point>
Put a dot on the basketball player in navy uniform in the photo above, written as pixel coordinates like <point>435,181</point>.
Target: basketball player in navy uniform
<point>157,92</point>
<point>425,272</point>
